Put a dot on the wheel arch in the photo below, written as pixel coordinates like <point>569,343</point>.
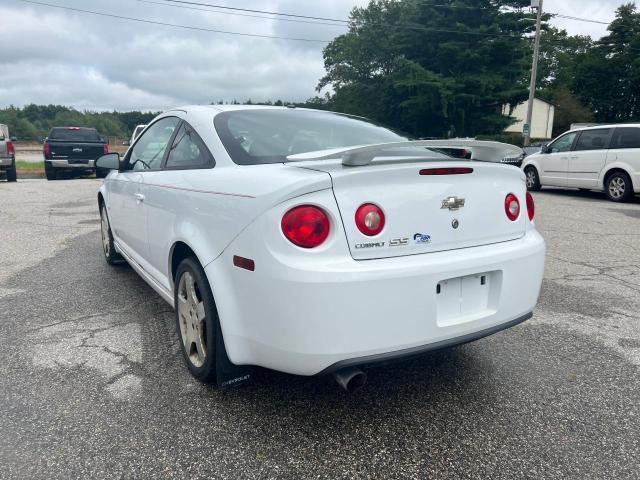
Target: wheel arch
<point>178,252</point>
<point>612,170</point>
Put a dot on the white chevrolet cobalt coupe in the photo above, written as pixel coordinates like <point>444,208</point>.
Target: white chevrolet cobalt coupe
<point>313,242</point>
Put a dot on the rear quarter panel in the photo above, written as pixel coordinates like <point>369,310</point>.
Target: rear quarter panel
<point>206,209</point>
<point>625,159</point>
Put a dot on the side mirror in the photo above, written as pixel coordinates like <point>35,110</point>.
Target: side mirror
<point>546,149</point>
<point>110,161</point>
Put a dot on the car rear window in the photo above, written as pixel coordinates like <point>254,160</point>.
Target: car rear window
<point>253,137</point>
<point>626,137</point>
<point>75,134</point>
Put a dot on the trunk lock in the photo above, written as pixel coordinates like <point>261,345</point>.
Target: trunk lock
<point>455,223</point>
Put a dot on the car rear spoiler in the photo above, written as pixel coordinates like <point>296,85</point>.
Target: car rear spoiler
<point>363,155</point>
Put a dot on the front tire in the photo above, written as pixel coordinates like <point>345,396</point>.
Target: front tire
<point>196,320</point>
<point>110,255</point>
<point>532,179</point>
<point>618,187</point>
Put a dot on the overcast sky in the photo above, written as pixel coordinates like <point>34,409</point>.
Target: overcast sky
<point>55,56</point>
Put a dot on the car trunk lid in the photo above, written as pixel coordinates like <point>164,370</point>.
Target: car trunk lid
<point>429,206</point>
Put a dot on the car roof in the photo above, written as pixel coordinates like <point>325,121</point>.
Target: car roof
<point>607,125</point>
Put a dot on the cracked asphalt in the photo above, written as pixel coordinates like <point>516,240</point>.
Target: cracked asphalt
<point>92,383</point>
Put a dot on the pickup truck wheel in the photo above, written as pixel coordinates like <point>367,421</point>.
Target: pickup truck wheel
<point>49,172</point>
<point>12,175</point>
<point>196,319</point>
<point>618,187</point>
<point>110,255</point>
<point>532,179</point>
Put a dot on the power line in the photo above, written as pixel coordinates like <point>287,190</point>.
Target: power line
<point>224,7</point>
<point>175,25</point>
<point>275,37</point>
<point>345,21</point>
<point>568,17</point>
<point>243,14</point>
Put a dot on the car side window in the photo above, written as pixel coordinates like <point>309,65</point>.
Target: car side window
<point>626,137</point>
<point>593,139</point>
<point>148,151</point>
<point>563,144</point>
<point>188,150</point>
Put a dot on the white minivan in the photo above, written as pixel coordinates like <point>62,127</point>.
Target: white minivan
<point>605,157</point>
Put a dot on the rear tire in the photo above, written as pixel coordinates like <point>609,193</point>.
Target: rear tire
<point>196,320</point>
<point>12,174</point>
<point>532,179</point>
<point>49,172</point>
<point>110,255</point>
<point>618,187</point>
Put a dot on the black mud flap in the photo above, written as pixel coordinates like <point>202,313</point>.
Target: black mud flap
<point>228,374</point>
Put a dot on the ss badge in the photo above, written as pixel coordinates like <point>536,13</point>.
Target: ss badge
<point>398,242</point>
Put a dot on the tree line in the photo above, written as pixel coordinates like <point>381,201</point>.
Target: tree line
<point>33,122</point>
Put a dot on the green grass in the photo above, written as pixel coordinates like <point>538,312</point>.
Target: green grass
<point>29,166</point>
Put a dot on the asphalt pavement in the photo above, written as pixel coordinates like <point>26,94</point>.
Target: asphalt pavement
<point>92,383</point>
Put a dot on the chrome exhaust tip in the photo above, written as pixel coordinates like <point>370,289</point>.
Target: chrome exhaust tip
<point>350,378</point>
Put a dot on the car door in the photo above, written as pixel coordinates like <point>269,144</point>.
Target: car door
<point>587,157</point>
<point>128,191</point>
<point>555,162</point>
<point>625,148</point>
<point>172,198</point>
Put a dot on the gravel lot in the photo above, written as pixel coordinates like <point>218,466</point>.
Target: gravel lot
<point>92,382</point>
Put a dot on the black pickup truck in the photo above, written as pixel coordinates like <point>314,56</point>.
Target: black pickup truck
<point>72,150</point>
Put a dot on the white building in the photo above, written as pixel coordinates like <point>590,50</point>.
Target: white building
<point>541,119</point>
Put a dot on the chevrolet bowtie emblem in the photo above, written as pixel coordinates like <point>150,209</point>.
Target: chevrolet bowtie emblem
<point>453,203</point>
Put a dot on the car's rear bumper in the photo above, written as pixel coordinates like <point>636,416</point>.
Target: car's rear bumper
<point>307,317</point>
<point>71,164</point>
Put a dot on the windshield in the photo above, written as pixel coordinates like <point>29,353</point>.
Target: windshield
<point>254,137</point>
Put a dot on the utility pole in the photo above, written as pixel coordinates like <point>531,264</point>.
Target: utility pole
<point>526,131</point>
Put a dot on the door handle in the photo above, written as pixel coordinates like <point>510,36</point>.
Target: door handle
<point>573,157</point>
<point>139,197</point>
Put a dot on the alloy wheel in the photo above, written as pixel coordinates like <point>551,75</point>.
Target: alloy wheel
<point>192,320</point>
<point>104,228</point>
<point>531,179</point>
<point>617,187</point>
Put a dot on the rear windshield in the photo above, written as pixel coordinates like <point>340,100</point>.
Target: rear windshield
<point>74,134</point>
<point>254,137</point>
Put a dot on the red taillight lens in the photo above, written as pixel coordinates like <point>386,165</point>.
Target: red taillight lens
<point>11,151</point>
<point>370,219</point>
<point>305,226</point>
<point>531,207</point>
<point>512,207</point>
<point>106,148</point>
<point>46,150</point>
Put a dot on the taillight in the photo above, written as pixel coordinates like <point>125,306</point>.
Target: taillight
<point>46,150</point>
<point>305,226</point>
<point>106,148</point>
<point>370,219</point>
<point>11,151</point>
<point>531,207</point>
<point>512,207</point>
<point>446,171</point>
